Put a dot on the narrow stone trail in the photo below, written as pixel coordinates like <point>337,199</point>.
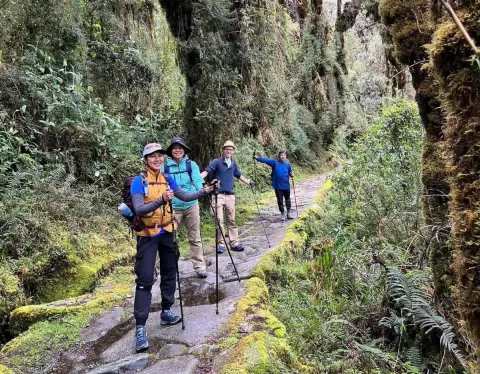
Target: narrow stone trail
<point>107,344</point>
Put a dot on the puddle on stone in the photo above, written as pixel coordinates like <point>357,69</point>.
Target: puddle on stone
<point>196,292</point>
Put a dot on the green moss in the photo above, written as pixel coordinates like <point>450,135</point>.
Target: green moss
<point>25,316</point>
<point>259,353</point>
<point>273,323</point>
<point>11,294</point>
<point>228,342</point>
<point>35,347</point>
<point>84,272</point>
<point>256,294</point>
<point>294,241</point>
<point>5,370</point>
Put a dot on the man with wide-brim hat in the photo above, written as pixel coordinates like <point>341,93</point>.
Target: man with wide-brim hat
<point>187,175</point>
<point>225,169</point>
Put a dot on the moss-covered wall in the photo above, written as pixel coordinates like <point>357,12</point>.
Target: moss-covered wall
<point>459,82</point>
<point>448,95</point>
<point>411,27</point>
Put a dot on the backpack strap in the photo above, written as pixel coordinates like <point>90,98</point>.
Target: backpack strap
<point>188,170</point>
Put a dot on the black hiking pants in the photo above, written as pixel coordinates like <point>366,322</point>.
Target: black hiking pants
<point>147,249</point>
<point>281,194</point>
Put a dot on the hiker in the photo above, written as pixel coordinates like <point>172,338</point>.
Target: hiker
<point>225,169</point>
<point>151,194</point>
<point>281,170</point>
<point>187,175</point>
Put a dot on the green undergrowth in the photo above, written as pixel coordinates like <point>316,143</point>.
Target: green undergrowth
<point>59,324</point>
<point>349,284</point>
<point>57,240</point>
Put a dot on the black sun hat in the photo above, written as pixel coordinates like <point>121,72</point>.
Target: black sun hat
<point>177,140</point>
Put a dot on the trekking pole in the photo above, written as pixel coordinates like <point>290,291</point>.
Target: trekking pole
<point>261,218</point>
<point>227,246</point>
<point>218,229</point>
<point>254,166</point>
<point>216,248</point>
<point>295,196</point>
<point>177,254</point>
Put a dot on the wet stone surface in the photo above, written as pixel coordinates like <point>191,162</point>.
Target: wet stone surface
<point>108,343</point>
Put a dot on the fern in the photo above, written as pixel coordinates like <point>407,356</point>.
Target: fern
<point>415,309</point>
<point>414,356</point>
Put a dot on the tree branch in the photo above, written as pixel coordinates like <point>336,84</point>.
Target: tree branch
<point>461,27</point>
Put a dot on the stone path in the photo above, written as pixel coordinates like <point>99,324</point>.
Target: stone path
<point>107,344</point>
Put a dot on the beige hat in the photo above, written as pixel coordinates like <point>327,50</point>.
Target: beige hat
<point>152,147</point>
<point>229,143</point>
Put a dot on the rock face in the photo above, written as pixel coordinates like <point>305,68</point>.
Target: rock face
<point>107,344</point>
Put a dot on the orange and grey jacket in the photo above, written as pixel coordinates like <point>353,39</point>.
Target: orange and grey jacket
<point>147,191</point>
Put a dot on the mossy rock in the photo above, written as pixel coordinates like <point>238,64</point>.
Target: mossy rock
<point>61,324</point>
<point>11,294</point>
<point>25,316</point>
<point>257,294</point>
<point>100,256</point>
<point>261,352</point>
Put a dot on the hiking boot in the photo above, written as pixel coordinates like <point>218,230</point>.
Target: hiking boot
<point>169,318</point>
<point>238,248</point>
<point>289,215</point>
<point>221,249</point>
<point>141,343</point>
<point>202,273</point>
<point>283,217</point>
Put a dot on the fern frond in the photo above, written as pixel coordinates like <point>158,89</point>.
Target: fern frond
<point>415,303</point>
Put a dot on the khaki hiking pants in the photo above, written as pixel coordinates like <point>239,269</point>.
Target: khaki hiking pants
<point>191,218</point>
<point>227,202</point>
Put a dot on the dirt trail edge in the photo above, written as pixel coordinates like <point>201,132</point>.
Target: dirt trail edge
<point>107,344</point>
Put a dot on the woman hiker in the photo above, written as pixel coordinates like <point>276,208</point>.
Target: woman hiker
<point>187,175</point>
<point>281,171</point>
<point>151,194</point>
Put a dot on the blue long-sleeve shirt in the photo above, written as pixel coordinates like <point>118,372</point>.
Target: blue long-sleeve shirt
<point>281,172</point>
<point>218,169</point>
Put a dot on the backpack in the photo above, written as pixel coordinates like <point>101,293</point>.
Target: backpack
<point>134,221</point>
<point>188,170</point>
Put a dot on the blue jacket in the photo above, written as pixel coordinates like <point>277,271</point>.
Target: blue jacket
<point>281,172</point>
<point>183,180</point>
<point>218,170</point>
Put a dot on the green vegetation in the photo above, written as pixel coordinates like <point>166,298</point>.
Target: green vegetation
<point>335,282</point>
